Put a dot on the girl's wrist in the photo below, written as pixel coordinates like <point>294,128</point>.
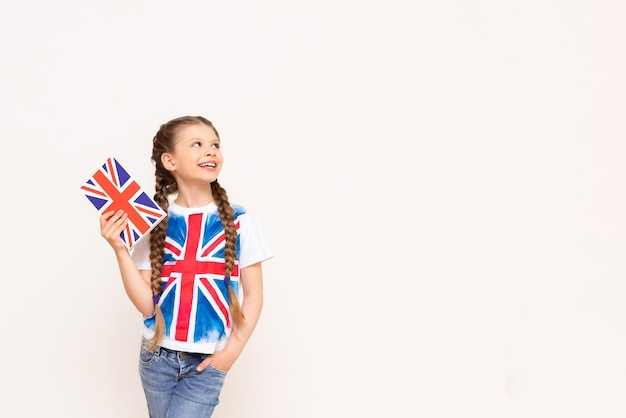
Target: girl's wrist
<point>121,251</point>
<point>233,350</point>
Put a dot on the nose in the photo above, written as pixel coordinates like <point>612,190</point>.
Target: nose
<point>210,152</point>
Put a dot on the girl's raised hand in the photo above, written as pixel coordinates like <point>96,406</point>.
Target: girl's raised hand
<point>111,226</point>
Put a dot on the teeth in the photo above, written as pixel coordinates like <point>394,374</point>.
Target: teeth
<point>208,165</point>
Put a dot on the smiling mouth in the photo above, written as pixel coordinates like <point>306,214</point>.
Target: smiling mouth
<point>213,165</point>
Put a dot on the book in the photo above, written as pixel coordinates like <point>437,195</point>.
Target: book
<point>111,187</point>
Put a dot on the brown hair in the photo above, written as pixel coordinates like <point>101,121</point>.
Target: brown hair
<point>165,185</point>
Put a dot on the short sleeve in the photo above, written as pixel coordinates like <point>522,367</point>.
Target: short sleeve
<point>141,253</point>
<point>252,244</point>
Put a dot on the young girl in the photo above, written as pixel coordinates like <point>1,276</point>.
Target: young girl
<point>197,280</point>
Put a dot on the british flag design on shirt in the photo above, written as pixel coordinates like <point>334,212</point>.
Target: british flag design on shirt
<point>194,300</point>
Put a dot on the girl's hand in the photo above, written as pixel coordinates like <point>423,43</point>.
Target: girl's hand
<point>111,226</point>
<point>219,360</point>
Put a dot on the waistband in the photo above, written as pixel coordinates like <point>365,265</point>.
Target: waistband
<point>168,352</point>
<point>182,354</point>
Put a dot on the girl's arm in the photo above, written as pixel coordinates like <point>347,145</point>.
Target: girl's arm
<point>252,284</point>
<point>136,283</point>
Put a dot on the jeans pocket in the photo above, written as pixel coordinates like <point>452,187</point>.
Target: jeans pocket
<point>215,371</point>
<point>147,357</point>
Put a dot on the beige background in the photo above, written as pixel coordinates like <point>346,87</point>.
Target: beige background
<point>441,183</point>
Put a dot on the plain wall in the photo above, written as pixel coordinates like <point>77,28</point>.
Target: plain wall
<point>441,184</point>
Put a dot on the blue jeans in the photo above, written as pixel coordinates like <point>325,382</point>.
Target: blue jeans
<point>173,387</point>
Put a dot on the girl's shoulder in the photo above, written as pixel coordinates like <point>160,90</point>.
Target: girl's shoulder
<point>239,210</point>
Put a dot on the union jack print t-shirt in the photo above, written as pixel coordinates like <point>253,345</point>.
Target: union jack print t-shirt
<point>194,299</point>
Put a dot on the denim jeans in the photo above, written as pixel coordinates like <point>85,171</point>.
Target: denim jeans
<point>173,387</point>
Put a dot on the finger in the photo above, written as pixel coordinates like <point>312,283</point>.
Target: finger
<point>119,225</point>
<point>122,218</point>
<point>110,216</point>
<point>114,225</point>
<point>105,217</point>
<point>113,220</point>
<point>205,363</point>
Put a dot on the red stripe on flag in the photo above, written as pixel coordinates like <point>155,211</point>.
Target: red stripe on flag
<point>94,191</point>
<point>149,212</point>
<point>223,309</point>
<point>218,241</point>
<point>113,175</point>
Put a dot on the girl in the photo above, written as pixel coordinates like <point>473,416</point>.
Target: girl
<point>197,280</point>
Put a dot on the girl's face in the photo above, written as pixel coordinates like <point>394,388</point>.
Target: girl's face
<point>196,157</point>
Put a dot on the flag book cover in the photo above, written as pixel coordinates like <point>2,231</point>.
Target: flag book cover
<point>112,188</point>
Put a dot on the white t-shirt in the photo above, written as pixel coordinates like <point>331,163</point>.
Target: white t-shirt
<point>194,299</point>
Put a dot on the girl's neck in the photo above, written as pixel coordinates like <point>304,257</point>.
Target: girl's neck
<point>194,198</point>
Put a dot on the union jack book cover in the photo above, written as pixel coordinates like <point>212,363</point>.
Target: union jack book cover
<point>112,188</point>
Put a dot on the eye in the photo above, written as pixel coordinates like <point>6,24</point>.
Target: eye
<point>196,144</point>
<point>215,145</point>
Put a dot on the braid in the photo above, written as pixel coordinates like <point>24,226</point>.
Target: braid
<point>157,236</point>
<point>226,213</point>
<point>165,184</point>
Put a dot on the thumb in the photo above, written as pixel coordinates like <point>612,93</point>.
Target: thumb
<point>205,363</point>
